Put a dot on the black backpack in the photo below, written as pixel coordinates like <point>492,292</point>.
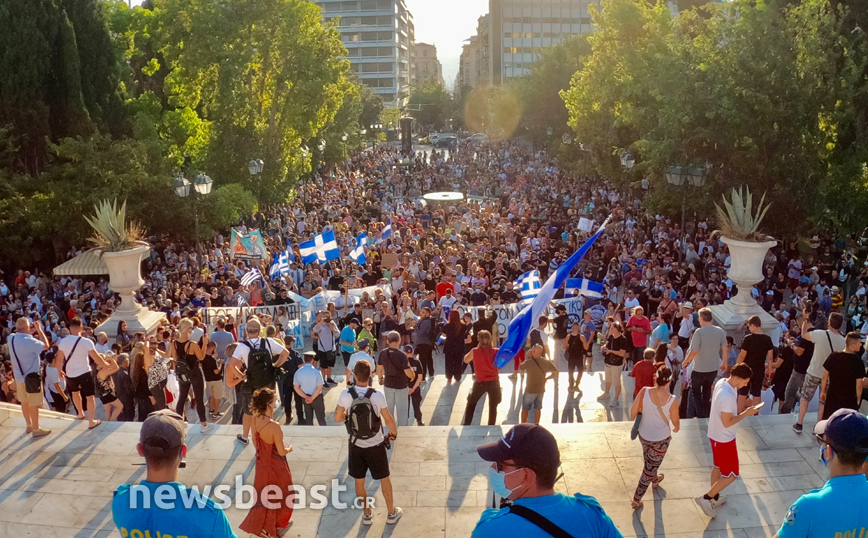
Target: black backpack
<point>260,365</point>
<point>362,421</point>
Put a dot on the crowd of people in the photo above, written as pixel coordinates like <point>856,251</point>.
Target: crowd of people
<point>521,213</point>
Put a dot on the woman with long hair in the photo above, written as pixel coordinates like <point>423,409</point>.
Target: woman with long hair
<point>139,378</point>
<point>269,519</point>
<point>453,347</point>
<point>487,380</point>
<point>659,421</point>
<point>187,355</point>
<point>123,339</point>
<point>105,388</point>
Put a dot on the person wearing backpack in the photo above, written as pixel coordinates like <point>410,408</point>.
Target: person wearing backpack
<point>364,410</point>
<point>253,362</point>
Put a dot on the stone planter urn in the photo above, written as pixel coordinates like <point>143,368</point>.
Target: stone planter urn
<point>125,278</point>
<point>746,270</point>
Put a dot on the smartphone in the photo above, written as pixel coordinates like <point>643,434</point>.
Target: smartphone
<point>759,405</point>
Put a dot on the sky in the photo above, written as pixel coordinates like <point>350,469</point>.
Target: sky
<point>446,24</point>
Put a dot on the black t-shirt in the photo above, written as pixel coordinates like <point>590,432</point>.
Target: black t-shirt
<point>757,347</point>
<point>844,370</point>
<point>417,369</point>
<point>394,363</point>
<point>801,363</point>
<point>209,364</point>
<point>615,344</point>
<point>562,326</point>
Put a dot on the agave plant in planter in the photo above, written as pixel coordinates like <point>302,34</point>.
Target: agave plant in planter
<point>739,221</point>
<point>112,232</point>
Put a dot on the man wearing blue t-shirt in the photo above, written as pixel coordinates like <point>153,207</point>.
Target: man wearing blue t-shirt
<point>160,505</point>
<point>524,469</point>
<point>348,340</point>
<point>838,509</point>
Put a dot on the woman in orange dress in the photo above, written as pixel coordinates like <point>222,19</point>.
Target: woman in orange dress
<point>272,470</point>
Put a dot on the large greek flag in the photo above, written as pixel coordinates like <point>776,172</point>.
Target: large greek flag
<point>358,253</point>
<point>524,321</point>
<point>320,248</point>
<point>280,267</point>
<point>251,276</point>
<point>586,287</point>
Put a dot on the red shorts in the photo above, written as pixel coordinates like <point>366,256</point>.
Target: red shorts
<point>725,457</point>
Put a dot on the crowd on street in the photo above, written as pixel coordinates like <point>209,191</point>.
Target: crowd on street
<point>520,214</point>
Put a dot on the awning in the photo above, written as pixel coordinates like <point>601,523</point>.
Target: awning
<point>85,264</point>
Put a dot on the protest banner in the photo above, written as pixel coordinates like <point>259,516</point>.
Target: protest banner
<point>247,245</point>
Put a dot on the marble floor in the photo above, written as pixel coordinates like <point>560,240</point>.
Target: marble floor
<point>61,485</point>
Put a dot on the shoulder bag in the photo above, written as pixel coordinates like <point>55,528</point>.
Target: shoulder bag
<point>32,381</point>
<point>540,521</point>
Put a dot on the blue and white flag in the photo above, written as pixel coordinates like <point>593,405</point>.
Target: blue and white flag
<point>321,248</point>
<point>524,321</point>
<point>529,284</point>
<point>280,267</point>
<point>386,232</point>
<point>251,276</point>
<point>586,287</point>
<point>358,253</point>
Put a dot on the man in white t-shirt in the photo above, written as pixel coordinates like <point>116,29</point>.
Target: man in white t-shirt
<point>445,305</point>
<point>102,343</point>
<point>74,355</point>
<point>360,355</point>
<point>369,454</point>
<point>825,342</point>
<point>238,366</point>
<point>722,423</point>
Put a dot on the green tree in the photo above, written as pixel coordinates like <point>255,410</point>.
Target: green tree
<point>430,105</point>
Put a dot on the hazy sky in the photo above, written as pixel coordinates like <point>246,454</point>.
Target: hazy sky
<point>445,23</point>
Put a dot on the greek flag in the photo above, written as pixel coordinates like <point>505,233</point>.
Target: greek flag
<point>251,276</point>
<point>529,284</point>
<point>358,253</point>
<point>524,321</point>
<point>321,248</point>
<point>386,232</point>
<point>280,267</point>
<point>586,287</point>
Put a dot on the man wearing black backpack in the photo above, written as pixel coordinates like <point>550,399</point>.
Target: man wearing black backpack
<point>364,410</point>
<point>253,360</point>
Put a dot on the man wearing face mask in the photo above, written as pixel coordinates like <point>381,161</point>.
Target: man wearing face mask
<point>524,470</point>
<point>838,508</point>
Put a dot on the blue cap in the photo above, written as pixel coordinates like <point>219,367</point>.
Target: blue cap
<point>845,430</point>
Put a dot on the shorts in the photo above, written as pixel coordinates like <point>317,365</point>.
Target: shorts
<point>23,396</point>
<point>531,401</point>
<point>725,456</point>
<point>613,374</point>
<point>82,384</point>
<point>245,399</point>
<point>755,386</point>
<point>374,459</point>
<point>326,359</point>
<point>215,389</point>
<point>809,387</point>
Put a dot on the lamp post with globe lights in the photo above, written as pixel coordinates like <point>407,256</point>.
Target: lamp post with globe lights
<point>683,177</point>
<point>200,187</point>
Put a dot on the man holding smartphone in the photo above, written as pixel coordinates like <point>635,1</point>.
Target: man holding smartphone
<point>722,424</point>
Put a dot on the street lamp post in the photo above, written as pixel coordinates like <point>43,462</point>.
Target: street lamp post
<point>255,167</point>
<point>183,188</point>
<point>681,176</point>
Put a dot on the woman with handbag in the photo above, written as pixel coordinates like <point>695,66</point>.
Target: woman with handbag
<point>656,419</point>
<point>187,355</point>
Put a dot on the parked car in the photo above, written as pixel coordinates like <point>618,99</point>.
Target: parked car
<point>446,141</point>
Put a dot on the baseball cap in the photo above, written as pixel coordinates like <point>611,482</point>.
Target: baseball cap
<point>163,430</point>
<point>355,320</point>
<point>835,289</point>
<point>561,308</point>
<point>687,304</point>
<point>408,348</point>
<point>528,443</point>
<point>846,430</point>
<point>363,343</point>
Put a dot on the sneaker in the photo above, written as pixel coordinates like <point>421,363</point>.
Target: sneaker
<point>243,440</point>
<point>614,403</point>
<point>29,430</point>
<point>720,501</point>
<point>368,519</point>
<point>40,432</point>
<point>331,381</point>
<point>603,397</point>
<point>393,518</point>
<point>420,423</point>
<point>207,427</point>
<point>706,505</point>
<point>797,427</point>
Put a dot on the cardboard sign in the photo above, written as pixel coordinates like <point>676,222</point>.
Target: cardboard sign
<point>389,260</point>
